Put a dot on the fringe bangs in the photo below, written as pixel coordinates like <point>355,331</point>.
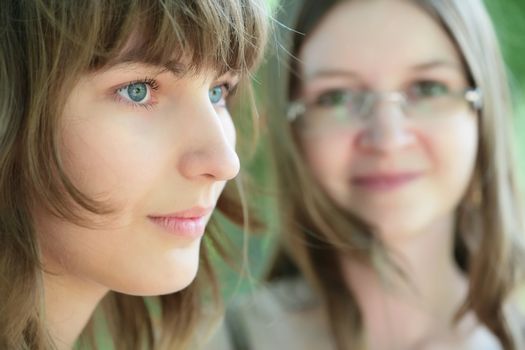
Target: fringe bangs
<point>225,35</point>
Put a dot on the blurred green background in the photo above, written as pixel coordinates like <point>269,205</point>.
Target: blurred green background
<point>509,18</point>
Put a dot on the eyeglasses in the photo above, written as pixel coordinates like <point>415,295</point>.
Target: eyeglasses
<point>343,107</point>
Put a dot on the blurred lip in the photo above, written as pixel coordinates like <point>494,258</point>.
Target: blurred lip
<point>384,181</point>
<point>189,223</point>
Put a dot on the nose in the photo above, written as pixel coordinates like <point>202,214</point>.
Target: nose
<point>386,130</point>
<point>210,153</point>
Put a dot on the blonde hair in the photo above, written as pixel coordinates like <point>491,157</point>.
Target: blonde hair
<point>45,46</point>
<point>489,244</point>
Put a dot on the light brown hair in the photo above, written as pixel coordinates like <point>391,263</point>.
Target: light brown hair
<point>45,46</point>
<point>489,229</point>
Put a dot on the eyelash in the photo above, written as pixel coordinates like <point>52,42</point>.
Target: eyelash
<point>229,89</point>
<point>150,82</point>
<point>154,86</point>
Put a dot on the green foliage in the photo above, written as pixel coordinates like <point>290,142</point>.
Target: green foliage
<point>508,17</point>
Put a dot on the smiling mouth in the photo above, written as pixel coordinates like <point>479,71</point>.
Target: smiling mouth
<point>188,224</point>
<point>384,182</point>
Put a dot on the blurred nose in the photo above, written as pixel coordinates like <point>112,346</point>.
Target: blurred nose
<point>210,153</point>
<point>386,130</point>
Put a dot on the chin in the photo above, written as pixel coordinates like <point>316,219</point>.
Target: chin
<point>396,234</point>
<point>159,287</point>
<point>402,229</point>
<point>161,280</point>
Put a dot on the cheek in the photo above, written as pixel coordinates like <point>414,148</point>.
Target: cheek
<point>329,158</point>
<point>64,244</point>
<point>110,161</point>
<point>454,153</point>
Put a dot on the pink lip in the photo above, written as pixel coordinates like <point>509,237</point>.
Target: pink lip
<point>384,182</point>
<point>189,223</point>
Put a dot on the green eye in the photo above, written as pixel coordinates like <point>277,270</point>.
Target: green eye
<point>215,94</point>
<point>426,89</point>
<point>333,98</point>
<point>135,92</point>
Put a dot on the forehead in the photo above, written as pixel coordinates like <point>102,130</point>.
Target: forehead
<point>375,38</point>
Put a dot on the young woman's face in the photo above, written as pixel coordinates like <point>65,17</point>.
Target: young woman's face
<point>159,149</point>
<point>400,168</point>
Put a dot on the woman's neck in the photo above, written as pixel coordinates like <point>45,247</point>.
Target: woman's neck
<point>402,311</point>
<point>69,304</point>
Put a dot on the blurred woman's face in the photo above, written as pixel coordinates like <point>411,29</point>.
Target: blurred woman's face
<point>401,162</point>
<point>158,147</point>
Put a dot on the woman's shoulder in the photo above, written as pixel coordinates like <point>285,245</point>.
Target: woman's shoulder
<point>515,317</point>
<point>283,315</point>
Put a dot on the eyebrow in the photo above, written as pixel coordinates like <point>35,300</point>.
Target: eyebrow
<point>437,64</point>
<point>176,68</point>
<point>331,73</point>
<point>342,73</point>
